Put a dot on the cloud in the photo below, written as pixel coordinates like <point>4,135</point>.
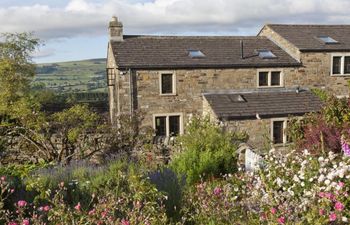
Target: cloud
<point>43,53</point>
<point>89,18</point>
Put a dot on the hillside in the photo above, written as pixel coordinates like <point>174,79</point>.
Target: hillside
<point>76,76</point>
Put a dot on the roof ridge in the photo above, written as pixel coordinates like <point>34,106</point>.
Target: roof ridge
<point>320,25</point>
<point>198,36</point>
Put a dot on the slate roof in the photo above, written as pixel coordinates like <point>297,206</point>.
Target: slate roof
<point>305,38</point>
<point>268,104</point>
<point>159,52</point>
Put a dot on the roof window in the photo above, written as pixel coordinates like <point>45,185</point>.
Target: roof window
<point>196,54</point>
<point>266,54</point>
<point>327,39</point>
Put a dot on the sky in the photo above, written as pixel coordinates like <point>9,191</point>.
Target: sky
<point>78,29</point>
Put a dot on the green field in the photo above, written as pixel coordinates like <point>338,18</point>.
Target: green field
<point>76,76</point>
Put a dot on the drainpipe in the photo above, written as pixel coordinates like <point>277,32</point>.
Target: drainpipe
<point>131,83</point>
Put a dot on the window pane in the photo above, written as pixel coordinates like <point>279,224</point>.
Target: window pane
<point>167,83</point>
<point>161,126</point>
<point>275,78</point>
<point>263,78</point>
<point>174,125</point>
<point>277,132</point>
<point>347,64</point>
<point>336,64</point>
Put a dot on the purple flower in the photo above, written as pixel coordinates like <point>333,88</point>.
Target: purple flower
<point>217,191</point>
<point>345,148</point>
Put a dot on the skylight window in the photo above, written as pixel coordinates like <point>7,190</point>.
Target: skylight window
<point>196,54</point>
<point>266,54</point>
<point>327,39</point>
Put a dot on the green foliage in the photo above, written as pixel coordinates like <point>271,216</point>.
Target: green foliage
<point>207,150</point>
<point>322,94</point>
<point>16,69</point>
<point>75,120</point>
<point>168,182</point>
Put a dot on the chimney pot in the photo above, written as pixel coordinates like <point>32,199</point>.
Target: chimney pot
<point>115,29</point>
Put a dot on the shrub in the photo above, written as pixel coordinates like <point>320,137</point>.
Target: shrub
<point>207,150</point>
<point>323,131</point>
<point>167,182</point>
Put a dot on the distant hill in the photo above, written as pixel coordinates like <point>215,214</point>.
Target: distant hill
<point>76,76</point>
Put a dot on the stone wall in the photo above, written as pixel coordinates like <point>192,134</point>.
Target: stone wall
<point>258,131</point>
<point>280,41</point>
<point>190,84</point>
<point>316,66</point>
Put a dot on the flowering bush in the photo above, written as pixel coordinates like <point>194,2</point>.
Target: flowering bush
<point>141,204</point>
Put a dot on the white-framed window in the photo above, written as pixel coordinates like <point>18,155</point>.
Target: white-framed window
<point>167,83</point>
<point>169,124</point>
<point>279,131</point>
<point>269,78</point>
<point>340,64</point>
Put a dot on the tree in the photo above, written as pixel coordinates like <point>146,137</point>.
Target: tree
<point>16,70</point>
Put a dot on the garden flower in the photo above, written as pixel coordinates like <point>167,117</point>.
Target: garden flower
<point>321,194</point>
<point>21,203</point>
<point>321,212</point>
<point>281,220</point>
<point>341,184</point>
<point>273,210</point>
<point>91,212</point>
<point>12,223</point>
<point>25,222</point>
<point>339,206</point>
<point>332,217</point>
<point>78,206</point>
<point>344,219</point>
<point>104,214</point>
<point>217,191</point>
<point>46,208</point>
<point>3,178</point>
<point>125,222</point>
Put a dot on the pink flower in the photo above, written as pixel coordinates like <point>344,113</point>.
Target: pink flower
<point>339,206</point>
<point>25,222</point>
<point>281,220</point>
<point>329,195</point>
<point>3,178</point>
<point>12,223</point>
<point>341,184</point>
<point>78,206</point>
<point>12,190</point>
<point>332,216</point>
<point>217,191</point>
<point>321,212</point>
<point>21,203</point>
<point>46,208</point>
<point>273,210</point>
<point>92,212</point>
<point>322,194</point>
<point>104,214</point>
<point>125,222</point>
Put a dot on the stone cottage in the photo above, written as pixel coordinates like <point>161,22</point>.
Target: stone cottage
<point>250,83</point>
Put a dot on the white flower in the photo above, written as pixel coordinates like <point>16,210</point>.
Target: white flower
<point>327,182</point>
<point>302,184</point>
<point>321,159</point>
<point>308,193</point>
<point>321,178</point>
<point>344,219</point>
<point>296,178</point>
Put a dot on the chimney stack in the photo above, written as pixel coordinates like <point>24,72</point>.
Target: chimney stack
<point>115,29</point>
